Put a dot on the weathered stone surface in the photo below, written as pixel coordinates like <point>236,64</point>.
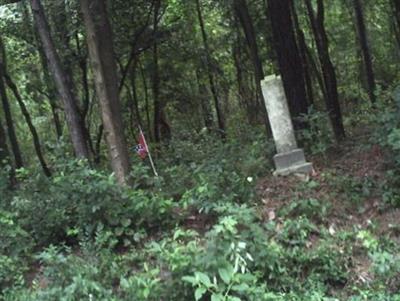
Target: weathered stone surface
<point>289,159</point>
<point>291,162</point>
<point>278,113</point>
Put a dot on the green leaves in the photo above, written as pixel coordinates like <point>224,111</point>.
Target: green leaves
<point>200,291</point>
<point>226,274</point>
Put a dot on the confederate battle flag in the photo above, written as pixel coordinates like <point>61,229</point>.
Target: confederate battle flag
<point>141,149</point>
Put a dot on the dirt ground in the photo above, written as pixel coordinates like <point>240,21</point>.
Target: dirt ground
<point>339,175</point>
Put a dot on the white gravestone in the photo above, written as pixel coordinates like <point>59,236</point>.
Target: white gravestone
<point>289,158</point>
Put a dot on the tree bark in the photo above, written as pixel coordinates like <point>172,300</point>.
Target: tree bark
<point>28,119</point>
<point>156,79</point>
<point>365,49</point>
<point>396,12</point>
<point>242,12</point>
<point>4,154</point>
<point>62,81</point>
<point>9,120</point>
<point>289,59</point>
<point>204,103</point>
<point>51,92</point>
<point>211,79</point>
<point>146,99</point>
<point>135,105</point>
<point>328,70</point>
<point>101,53</point>
<point>302,45</point>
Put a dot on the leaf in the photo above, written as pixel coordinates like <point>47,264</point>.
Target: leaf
<point>126,222</point>
<point>240,287</point>
<point>189,279</point>
<point>200,291</point>
<point>226,274</point>
<point>216,297</point>
<point>119,231</point>
<point>204,279</point>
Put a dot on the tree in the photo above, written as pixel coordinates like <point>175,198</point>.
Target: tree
<point>396,11</point>
<point>4,154</point>
<point>289,60</point>
<point>328,70</point>
<point>246,22</point>
<point>101,53</point>
<point>8,116</point>
<point>210,73</point>
<point>63,82</point>
<point>162,129</point>
<point>365,49</point>
<point>28,119</point>
<point>302,45</point>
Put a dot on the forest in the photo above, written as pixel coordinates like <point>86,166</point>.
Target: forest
<point>207,150</point>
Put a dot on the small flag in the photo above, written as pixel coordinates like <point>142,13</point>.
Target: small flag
<point>141,149</point>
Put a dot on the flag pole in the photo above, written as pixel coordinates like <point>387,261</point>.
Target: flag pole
<point>148,151</point>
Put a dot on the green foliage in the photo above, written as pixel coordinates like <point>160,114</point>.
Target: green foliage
<point>78,200</point>
<point>15,245</point>
<point>310,208</point>
<point>317,136</point>
<point>136,243</point>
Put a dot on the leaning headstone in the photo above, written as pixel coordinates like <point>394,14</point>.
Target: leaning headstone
<point>289,158</point>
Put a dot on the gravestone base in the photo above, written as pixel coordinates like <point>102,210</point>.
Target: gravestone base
<point>292,162</point>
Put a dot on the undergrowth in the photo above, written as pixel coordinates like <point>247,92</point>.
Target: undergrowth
<point>197,232</point>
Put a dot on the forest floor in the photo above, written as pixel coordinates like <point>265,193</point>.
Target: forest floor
<point>350,179</point>
<point>332,235</point>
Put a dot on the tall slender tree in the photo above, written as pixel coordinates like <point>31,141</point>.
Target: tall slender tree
<point>101,53</point>
<point>157,105</point>
<point>210,73</point>
<point>330,82</point>
<point>62,80</point>
<point>243,14</point>
<point>302,45</point>
<point>28,119</point>
<point>4,154</point>
<point>9,117</point>
<point>365,49</point>
<point>289,59</point>
<point>396,12</point>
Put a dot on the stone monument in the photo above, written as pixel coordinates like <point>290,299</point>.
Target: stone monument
<point>289,158</point>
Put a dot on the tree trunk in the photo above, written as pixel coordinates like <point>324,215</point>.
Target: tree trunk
<point>101,53</point>
<point>220,119</point>
<point>243,14</point>
<point>204,103</point>
<point>156,79</point>
<point>146,100</point>
<point>162,130</point>
<point>244,17</point>
<point>289,59</point>
<point>135,98</point>
<point>396,11</point>
<point>366,53</point>
<point>4,154</point>
<point>51,91</point>
<point>303,54</point>
<point>28,119</point>
<point>315,68</point>
<point>245,94</point>
<point>9,120</point>
<point>62,81</point>
<point>328,71</point>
